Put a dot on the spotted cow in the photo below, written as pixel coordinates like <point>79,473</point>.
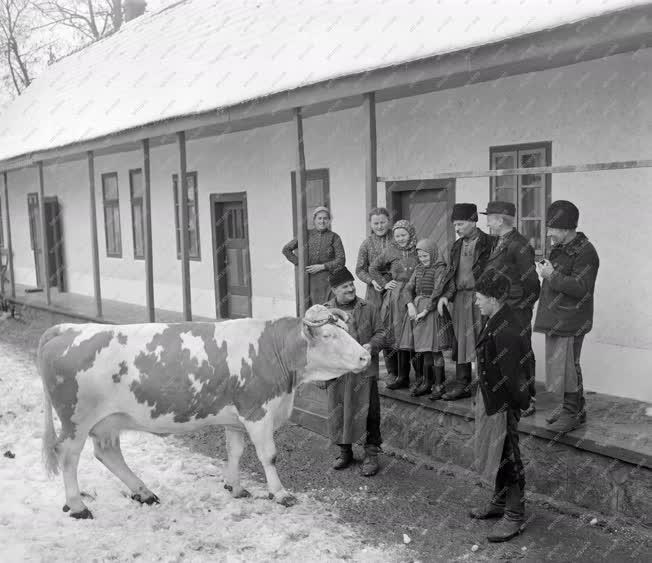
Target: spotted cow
<point>176,378</point>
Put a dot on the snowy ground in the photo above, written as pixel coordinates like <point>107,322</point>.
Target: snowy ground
<point>197,519</point>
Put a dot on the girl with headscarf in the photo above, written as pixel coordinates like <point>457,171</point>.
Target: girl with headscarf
<point>432,332</point>
<point>399,259</point>
<point>325,254</point>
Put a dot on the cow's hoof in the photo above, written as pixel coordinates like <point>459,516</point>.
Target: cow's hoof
<point>242,493</point>
<point>286,499</point>
<point>65,508</point>
<point>83,515</point>
<point>149,500</point>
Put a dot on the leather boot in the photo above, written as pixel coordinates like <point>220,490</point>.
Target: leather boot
<point>438,388</point>
<point>417,365</point>
<point>462,384</point>
<point>345,458</point>
<point>569,419</point>
<point>399,383</point>
<point>370,463</point>
<point>426,383</point>
<point>513,522</point>
<point>403,379</point>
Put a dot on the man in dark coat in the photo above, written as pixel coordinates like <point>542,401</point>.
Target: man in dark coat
<point>353,401</point>
<point>513,256</point>
<point>565,312</point>
<point>468,259</point>
<point>502,393</point>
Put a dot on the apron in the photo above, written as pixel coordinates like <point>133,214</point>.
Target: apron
<point>561,374</point>
<point>490,433</point>
<point>396,320</point>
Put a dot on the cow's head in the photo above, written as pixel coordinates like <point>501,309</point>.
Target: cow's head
<point>332,351</point>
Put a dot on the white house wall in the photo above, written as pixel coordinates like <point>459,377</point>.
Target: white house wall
<point>596,111</point>
<point>22,182</point>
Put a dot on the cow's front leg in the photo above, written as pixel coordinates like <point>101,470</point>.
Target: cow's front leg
<point>235,445</point>
<point>262,435</point>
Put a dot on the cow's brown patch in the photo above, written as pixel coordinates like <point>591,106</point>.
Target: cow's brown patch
<point>165,383</point>
<point>122,338</point>
<point>122,371</point>
<point>60,364</point>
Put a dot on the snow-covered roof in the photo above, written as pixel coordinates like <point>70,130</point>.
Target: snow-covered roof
<point>201,55</point>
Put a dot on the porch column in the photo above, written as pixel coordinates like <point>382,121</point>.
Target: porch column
<point>149,262</point>
<point>302,228</point>
<point>44,235</point>
<point>371,168</point>
<point>97,290</point>
<point>10,250</point>
<point>183,225</point>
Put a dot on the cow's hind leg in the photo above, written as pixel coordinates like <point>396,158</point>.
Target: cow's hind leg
<point>235,444</point>
<point>106,439</point>
<point>262,435</point>
<point>70,449</point>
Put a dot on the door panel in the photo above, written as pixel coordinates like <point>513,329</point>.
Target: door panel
<point>54,240</point>
<point>427,204</point>
<point>231,255</point>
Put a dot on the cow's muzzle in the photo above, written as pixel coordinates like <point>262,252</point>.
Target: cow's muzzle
<point>363,362</point>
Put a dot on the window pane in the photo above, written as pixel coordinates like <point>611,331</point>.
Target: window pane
<point>504,186</point>
<point>139,240</point>
<point>108,217</point>
<point>136,183</point>
<point>531,159</point>
<point>315,193</point>
<point>531,230</point>
<point>531,202</point>
<point>505,194</point>
<point>116,229</point>
<point>110,187</point>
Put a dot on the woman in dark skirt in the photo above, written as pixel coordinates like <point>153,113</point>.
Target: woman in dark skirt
<point>433,333</point>
<point>325,254</point>
<point>400,260</point>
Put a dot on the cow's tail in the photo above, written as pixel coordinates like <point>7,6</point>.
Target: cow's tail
<point>49,451</point>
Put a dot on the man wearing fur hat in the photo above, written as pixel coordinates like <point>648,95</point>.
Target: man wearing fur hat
<point>468,259</point>
<point>565,311</point>
<point>513,256</point>
<point>502,393</point>
<point>353,401</point>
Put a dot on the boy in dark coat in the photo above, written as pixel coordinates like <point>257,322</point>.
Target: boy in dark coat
<point>502,352</point>
<point>565,312</point>
<point>353,401</point>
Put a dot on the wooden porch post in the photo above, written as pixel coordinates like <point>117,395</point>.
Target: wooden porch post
<point>302,227</point>
<point>10,250</point>
<point>183,224</point>
<point>371,168</point>
<point>44,236</point>
<point>97,290</point>
<point>149,262</point>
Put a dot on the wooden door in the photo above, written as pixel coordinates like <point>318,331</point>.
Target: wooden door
<point>35,237</point>
<point>427,204</point>
<point>231,262</point>
<point>54,243</point>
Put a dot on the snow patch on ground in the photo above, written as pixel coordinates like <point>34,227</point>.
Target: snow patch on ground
<point>197,519</point>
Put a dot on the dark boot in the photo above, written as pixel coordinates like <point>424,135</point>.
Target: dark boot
<point>345,458</point>
<point>426,383</point>
<point>399,383</point>
<point>569,419</point>
<point>370,463</point>
<point>417,365</point>
<point>391,364</point>
<point>403,379</point>
<point>462,386</point>
<point>513,522</point>
<point>438,388</point>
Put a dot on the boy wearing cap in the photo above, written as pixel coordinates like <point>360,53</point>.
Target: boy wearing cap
<point>513,256</point>
<point>565,312</point>
<point>468,259</point>
<point>353,401</point>
<point>502,393</point>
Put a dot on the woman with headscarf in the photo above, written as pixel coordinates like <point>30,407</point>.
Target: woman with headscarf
<point>433,333</point>
<point>400,260</point>
<point>325,254</point>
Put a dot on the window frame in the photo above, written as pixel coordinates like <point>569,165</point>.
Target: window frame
<point>194,216</point>
<point>112,204</point>
<point>312,174</point>
<point>137,200</point>
<point>546,147</point>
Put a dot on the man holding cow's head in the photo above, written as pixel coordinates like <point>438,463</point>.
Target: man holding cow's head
<point>353,401</point>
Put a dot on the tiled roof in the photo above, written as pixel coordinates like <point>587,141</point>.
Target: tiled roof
<point>201,55</point>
